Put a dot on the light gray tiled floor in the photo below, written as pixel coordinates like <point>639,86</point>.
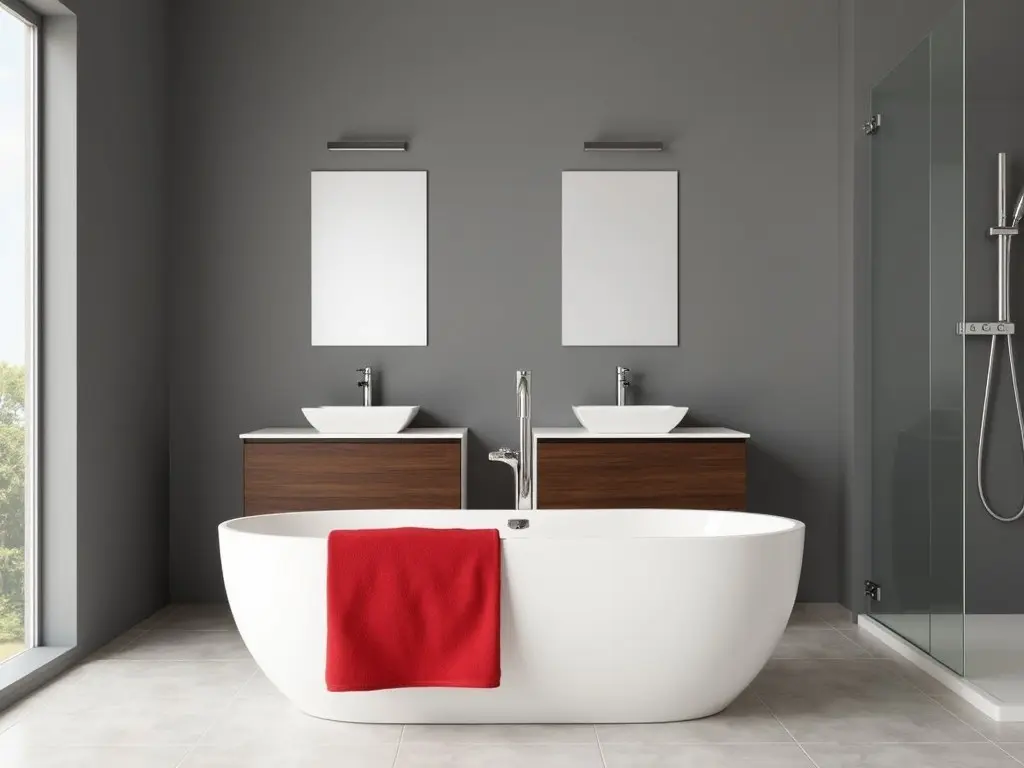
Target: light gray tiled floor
<point>180,691</point>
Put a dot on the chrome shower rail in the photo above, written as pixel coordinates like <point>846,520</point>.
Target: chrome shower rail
<point>1002,327</point>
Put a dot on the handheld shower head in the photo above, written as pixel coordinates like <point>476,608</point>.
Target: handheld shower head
<point>1018,210</point>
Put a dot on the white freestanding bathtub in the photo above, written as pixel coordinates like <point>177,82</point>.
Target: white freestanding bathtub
<point>607,616</point>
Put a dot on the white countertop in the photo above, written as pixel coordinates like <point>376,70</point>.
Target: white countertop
<point>308,433</point>
<point>680,433</point>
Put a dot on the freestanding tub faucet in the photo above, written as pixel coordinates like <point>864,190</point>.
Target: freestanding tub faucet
<point>367,385</point>
<point>622,382</point>
<point>521,461</point>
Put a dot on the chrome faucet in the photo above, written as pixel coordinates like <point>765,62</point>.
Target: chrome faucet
<point>622,381</point>
<point>521,461</point>
<point>367,385</point>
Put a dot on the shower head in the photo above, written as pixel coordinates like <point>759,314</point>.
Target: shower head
<point>1018,209</point>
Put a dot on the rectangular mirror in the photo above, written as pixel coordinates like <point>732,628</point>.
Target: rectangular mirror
<point>620,258</point>
<point>369,258</point>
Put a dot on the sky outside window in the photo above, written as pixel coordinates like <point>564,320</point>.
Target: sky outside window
<point>14,38</point>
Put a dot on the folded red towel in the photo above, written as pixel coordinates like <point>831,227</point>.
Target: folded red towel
<point>413,607</point>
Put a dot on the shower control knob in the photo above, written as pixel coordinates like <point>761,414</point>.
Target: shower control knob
<point>996,328</point>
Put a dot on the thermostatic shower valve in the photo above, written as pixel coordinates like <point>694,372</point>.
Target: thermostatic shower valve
<point>985,329</point>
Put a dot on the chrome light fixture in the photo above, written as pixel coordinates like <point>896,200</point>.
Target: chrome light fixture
<point>623,146</point>
<point>367,145</point>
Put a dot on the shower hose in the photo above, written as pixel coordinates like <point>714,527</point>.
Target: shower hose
<point>984,423</point>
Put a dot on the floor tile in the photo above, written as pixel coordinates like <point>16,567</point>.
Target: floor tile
<point>825,680</point>
<point>117,646</point>
<point>869,643</point>
<point>802,617</point>
<point>909,756</point>
<point>499,734</point>
<point>921,680</point>
<point>292,756</point>
<point>830,614</point>
<point>867,721</point>
<point>201,616</point>
<point>276,721</point>
<point>258,686</point>
<point>20,756</point>
<point>705,756</point>
<point>747,720</point>
<point>498,756</point>
<point>999,732</point>
<point>12,715</point>
<point>155,618</point>
<point>184,677</point>
<point>147,722</point>
<point>186,645</point>
<point>111,682</point>
<point>809,643</point>
<point>1017,750</point>
<point>906,669</point>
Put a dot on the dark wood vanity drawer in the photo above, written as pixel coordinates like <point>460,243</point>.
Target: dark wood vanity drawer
<point>282,476</point>
<point>691,474</point>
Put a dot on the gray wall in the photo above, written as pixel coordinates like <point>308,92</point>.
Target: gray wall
<point>995,123</point>
<point>497,99</point>
<point>122,361</point>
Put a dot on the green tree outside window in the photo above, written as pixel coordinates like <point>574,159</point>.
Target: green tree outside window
<point>12,503</point>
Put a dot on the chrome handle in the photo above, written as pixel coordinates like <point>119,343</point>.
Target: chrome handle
<point>366,385</point>
<point>503,454</point>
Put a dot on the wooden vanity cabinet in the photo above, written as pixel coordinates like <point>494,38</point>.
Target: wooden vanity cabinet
<point>302,475</point>
<point>642,473</point>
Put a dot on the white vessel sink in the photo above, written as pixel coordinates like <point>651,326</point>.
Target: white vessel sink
<point>361,420</point>
<point>629,419</point>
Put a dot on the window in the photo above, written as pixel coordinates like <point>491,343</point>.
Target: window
<point>18,329</point>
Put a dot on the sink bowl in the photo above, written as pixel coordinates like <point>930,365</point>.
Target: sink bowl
<point>629,419</point>
<point>363,420</point>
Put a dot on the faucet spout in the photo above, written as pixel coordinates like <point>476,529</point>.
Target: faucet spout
<point>622,382</point>
<point>524,486</point>
<point>367,385</point>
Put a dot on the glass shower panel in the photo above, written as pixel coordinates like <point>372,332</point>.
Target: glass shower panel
<point>946,463</point>
<point>900,359</point>
<point>917,245</point>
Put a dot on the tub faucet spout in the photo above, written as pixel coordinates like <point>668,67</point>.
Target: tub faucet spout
<point>521,461</point>
<point>524,491</point>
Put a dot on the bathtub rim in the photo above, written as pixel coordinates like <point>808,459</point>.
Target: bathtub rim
<point>784,525</point>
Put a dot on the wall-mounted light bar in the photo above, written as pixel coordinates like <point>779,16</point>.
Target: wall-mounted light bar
<point>368,146</point>
<point>623,146</point>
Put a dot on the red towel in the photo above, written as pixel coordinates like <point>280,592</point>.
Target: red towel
<point>413,607</point>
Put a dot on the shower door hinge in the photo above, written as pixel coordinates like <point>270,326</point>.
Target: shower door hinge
<point>872,590</point>
<point>871,126</point>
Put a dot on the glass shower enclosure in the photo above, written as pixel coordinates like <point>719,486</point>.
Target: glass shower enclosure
<point>917,173</point>
<point>948,574</point>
